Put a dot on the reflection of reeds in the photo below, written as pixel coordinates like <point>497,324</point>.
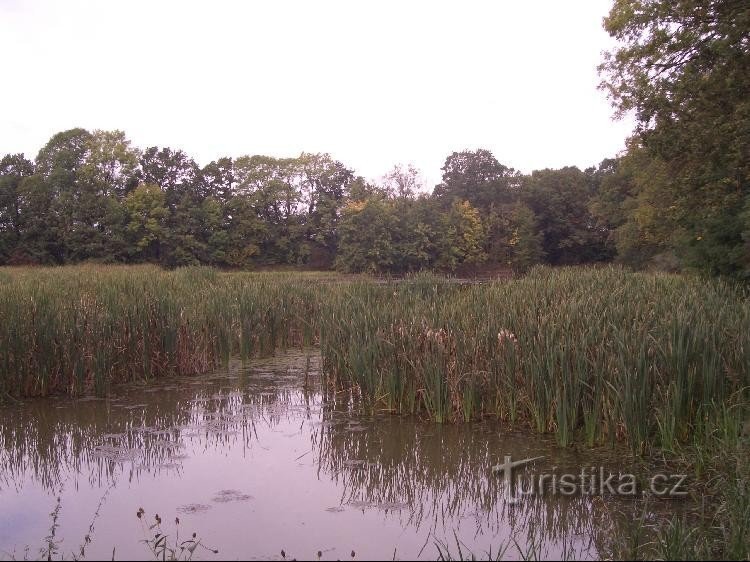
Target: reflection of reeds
<point>106,440</point>
<point>434,478</point>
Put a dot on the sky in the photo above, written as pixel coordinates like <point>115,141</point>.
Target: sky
<point>373,83</point>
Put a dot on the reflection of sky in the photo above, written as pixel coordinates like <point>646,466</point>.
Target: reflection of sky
<point>267,457</point>
<point>17,520</point>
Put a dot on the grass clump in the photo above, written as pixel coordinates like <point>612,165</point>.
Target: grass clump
<point>589,355</point>
<point>76,329</point>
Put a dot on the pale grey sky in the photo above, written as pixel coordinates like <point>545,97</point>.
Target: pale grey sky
<point>373,83</point>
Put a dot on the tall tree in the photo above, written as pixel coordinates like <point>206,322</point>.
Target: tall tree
<point>178,176</point>
<point>462,237</point>
<point>417,232</point>
<point>683,68</point>
<point>13,169</point>
<point>111,165</point>
<point>52,199</point>
<point>172,170</point>
<point>630,210</point>
<point>559,200</point>
<point>477,177</point>
<point>366,232</point>
<point>218,179</point>
<point>273,189</point>
<point>324,186</point>
<point>147,213</point>
<point>527,241</point>
<point>403,181</point>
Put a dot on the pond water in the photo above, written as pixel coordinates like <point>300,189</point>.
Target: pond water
<point>255,459</point>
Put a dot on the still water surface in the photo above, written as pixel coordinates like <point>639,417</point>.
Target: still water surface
<point>255,460</point>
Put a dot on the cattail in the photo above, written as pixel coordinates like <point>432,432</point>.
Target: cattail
<point>506,336</point>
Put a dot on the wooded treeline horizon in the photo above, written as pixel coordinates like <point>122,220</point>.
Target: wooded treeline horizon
<point>91,196</point>
<point>678,197</point>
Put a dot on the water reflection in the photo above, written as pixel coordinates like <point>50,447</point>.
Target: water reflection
<point>438,479</point>
<point>258,459</point>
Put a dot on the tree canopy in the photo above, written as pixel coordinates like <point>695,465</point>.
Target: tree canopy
<point>677,198</point>
<point>683,68</point>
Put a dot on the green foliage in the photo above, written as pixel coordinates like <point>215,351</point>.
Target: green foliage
<point>146,207</point>
<point>92,197</point>
<point>477,177</point>
<point>683,68</point>
<point>463,237</point>
<point>366,236</point>
<point>526,241</point>
<point>13,169</point>
<point>678,198</point>
<point>559,200</point>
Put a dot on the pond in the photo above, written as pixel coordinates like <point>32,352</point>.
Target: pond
<point>256,459</point>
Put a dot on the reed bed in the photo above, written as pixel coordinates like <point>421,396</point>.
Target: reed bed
<point>659,363</point>
<point>78,329</point>
<point>590,355</point>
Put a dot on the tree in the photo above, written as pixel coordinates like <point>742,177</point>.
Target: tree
<point>110,165</point>
<point>477,177</point>
<point>271,186</point>
<point>147,211</point>
<point>463,237</point>
<point>366,237</point>
<point>218,179</point>
<point>51,199</point>
<point>72,208</point>
<point>245,233</point>
<point>178,176</point>
<point>172,170</point>
<point>64,152</point>
<point>324,186</point>
<point>526,241</point>
<point>416,233</point>
<point>683,68</point>
<point>403,182</point>
<point>13,169</point>
<point>42,234</point>
<point>559,200</point>
<point>630,209</point>
<point>613,185</point>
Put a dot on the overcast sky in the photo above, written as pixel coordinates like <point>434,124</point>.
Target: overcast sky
<point>373,83</point>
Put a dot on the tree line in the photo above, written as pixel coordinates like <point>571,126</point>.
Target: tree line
<point>91,196</point>
<point>678,197</point>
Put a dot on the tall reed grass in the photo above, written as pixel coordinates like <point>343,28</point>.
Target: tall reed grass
<point>76,329</point>
<point>595,355</point>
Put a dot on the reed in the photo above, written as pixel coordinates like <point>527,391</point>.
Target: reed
<point>78,329</point>
<point>659,363</point>
<point>590,355</point>
<point>593,355</point>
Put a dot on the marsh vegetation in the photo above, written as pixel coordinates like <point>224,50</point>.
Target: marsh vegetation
<point>651,366</point>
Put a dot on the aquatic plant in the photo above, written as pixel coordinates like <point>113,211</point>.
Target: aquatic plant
<point>162,548</point>
<point>593,355</point>
<point>590,355</point>
<point>78,329</point>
